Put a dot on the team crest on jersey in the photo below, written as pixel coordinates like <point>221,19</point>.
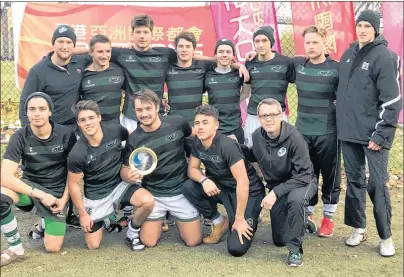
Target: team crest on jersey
<point>115,80</point>
<point>172,137</point>
<point>216,159</point>
<point>282,152</point>
<point>277,68</point>
<point>112,143</point>
<point>325,73</point>
<point>234,79</point>
<point>155,59</point>
<point>250,221</point>
<point>57,149</point>
<point>91,158</point>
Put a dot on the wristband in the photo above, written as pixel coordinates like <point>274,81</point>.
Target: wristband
<point>30,193</point>
<point>203,180</point>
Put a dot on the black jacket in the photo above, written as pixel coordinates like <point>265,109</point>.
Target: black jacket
<point>285,162</point>
<point>368,95</point>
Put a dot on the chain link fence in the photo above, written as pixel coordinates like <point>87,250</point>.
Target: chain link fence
<point>10,95</point>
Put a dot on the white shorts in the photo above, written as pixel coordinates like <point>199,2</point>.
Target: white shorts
<point>252,124</point>
<point>105,207</point>
<point>178,206</point>
<point>129,124</point>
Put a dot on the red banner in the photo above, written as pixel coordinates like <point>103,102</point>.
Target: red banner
<point>336,17</point>
<point>40,20</point>
<point>393,33</point>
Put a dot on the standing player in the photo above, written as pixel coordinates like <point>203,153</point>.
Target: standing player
<point>103,81</point>
<point>270,74</point>
<point>42,146</point>
<point>97,155</point>
<point>368,104</point>
<point>165,136</point>
<point>223,85</point>
<point>230,180</point>
<point>58,75</point>
<point>316,84</point>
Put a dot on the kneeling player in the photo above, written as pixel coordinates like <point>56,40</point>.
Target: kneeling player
<point>230,180</point>
<point>42,146</point>
<point>97,155</point>
<point>165,136</point>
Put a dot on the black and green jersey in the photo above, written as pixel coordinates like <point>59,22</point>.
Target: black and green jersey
<point>269,79</point>
<point>220,157</point>
<point>316,86</point>
<point>185,88</point>
<point>104,87</point>
<point>224,94</point>
<point>44,161</point>
<point>100,165</point>
<point>143,70</point>
<point>168,144</point>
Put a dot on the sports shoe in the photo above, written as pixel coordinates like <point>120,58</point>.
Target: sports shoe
<point>311,225</point>
<point>294,259</point>
<point>327,228</point>
<point>356,238</point>
<point>165,227</point>
<point>73,220</point>
<point>135,244</point>
<point>217,232</point>
<point>387,247</point>
<point>35,232</point>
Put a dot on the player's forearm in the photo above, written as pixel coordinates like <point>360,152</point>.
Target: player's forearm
<point>75,194</point>
<point>195,174</point>
<point>204,58</point>
<point>16,185</point>
<point>65,195</point>
<point>125,174</point>
<point>242,192</point>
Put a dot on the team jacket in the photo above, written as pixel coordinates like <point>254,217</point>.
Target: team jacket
<point>285,162</point>
<point>368,95</point>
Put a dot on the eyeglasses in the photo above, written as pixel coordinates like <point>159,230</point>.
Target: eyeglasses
<point>268,116</point>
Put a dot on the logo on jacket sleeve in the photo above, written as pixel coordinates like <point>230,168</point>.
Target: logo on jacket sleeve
<point>282,152</point>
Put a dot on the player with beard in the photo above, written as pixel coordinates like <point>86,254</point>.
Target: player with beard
<point>316,84</point>
<point>42,148</point>
<point>230,179</point>
<point>103,81</point>
<point>98,156</point>
<point>223,85</point>
<point>58,75</point>
<point>165,136</point>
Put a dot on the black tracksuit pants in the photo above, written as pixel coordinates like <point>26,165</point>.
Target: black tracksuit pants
<point>355,203</point>
<point>289,217</point>
<point>207,206</point>
<point>325,155</point>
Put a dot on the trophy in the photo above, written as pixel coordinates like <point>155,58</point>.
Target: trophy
<point>143,159</point>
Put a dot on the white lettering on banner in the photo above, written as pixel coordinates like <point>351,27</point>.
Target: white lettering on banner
<point>240,26</point>
<point>237,5</point>
<point>254,7</point>
<point>80,30</point>
<point>242,42</point>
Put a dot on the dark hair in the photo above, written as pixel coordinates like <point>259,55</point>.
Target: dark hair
<point>85,105</point>
<point>100,39</point>
<point>188,36</point>
<point>146,95</point>
<point>142,20</point>
<point>317,30</point>
<point>207,110</point>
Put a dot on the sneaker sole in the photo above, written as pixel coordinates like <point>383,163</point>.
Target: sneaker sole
<point>129,244</point>
<point>325,236</point>
<point>365,237</point>
<point>386,256</point>
<point>295,265</point>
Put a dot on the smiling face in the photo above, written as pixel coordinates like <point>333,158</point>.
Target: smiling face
<point>185,50</point>
<point>89,122</point>
<point>365,32</point>
<point>63,48</point>
<point>38,111</point>
<point>224,55</point>
<point>101,53</point>
<point>146,112</point>
<point>205,126</point>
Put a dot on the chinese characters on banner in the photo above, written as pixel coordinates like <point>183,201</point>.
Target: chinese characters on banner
<point>237,21</point>
<point>336,17</point>
<point>393,33</point>
<point>41,19</point>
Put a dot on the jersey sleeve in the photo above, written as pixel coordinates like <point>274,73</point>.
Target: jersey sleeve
<point>186,127</point>
<point>291,72</point>
<point>248,66</point>
<point>15,148</point>
<point>72,139</point>
<point>194,149</point>
<point>169,53</point>
<point>76,161</point>
<point>116,52</point>
<point>123,132</point>
<point>129,147</point>
<point>232,153</point>
<point>208,65</point>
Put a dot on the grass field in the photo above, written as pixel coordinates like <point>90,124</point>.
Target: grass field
<point>322,257</point>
